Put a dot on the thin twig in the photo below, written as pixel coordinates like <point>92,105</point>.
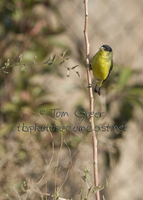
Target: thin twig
<point>47,165</point>
<point>95,162</point>
<point>69,165</point>
<point>58,164</point>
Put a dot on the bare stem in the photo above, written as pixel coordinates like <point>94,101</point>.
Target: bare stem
<point>95,162</point>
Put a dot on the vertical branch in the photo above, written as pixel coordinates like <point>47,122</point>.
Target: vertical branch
<point>95,161</point>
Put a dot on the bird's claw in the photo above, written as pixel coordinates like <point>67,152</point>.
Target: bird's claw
<point>90,67</point>
<point>90,85</point>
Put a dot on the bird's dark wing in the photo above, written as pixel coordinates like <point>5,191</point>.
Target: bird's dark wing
<point>111,67</point>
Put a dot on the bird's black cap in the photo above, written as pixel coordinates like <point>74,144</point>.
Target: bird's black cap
<point>107,48</point>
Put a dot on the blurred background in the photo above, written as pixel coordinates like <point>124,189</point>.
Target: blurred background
<point>42,67</point>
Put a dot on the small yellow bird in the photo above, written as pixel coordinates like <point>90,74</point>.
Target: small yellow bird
<point>102,65</point>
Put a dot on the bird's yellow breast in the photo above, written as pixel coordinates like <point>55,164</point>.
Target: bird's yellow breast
<point>101,65</point>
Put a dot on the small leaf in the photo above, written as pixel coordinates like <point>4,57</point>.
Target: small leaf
<point>5,72</point>
<point>68,72</point>
<point>24,184</point>
<point>46,61</point>
<point>78,74</point>
<point>20,58</point>
<point>50,60</point>
<point>64,52</point>
<point>62,62</point>
<point>7,63</point>
<point>50,63</point>
<point>22,69</point>
<point>75,66</point>
<point>54,58</point>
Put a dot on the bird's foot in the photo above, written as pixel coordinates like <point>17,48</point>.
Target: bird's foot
<point>90,85</point>
<point>89,65</point>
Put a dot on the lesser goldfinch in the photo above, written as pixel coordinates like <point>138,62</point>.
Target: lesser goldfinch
<point>102,65</point>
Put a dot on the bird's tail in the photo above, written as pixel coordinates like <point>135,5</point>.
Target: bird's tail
<point>97,89</point>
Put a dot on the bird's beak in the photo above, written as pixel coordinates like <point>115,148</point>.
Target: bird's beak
<point>101,48</point>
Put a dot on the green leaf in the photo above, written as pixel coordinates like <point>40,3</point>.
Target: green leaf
<point>7,63</point>
<point>20,58</point>
<point>5,72</point>
<point>64,52</point>
<point>136,91</point>
<point>125,76</point>
<point>54,58</point>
